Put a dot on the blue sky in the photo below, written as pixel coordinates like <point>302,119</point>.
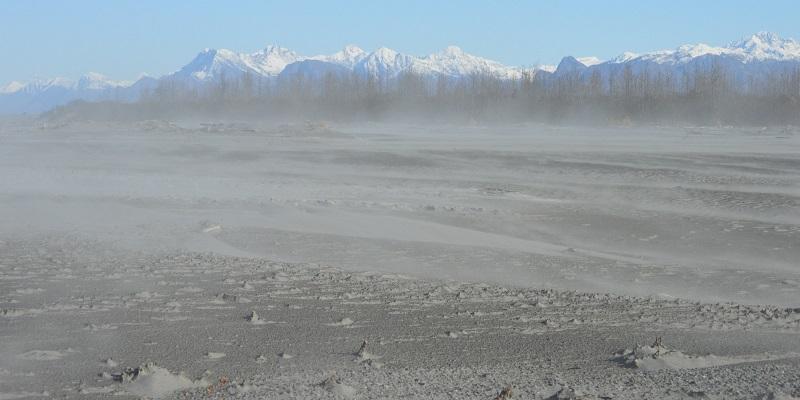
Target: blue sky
<point>125,38</point>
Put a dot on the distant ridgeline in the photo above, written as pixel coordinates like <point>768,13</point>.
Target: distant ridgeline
<point>755,81</point>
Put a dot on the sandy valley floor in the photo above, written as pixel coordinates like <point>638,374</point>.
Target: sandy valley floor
<point>237,260</point>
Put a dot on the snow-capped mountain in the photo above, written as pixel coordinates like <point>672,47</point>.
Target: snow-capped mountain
<point>347,57</point>
<point>318,67</point>
<point>212,64</point>
<point>750,57</point>
<point>386,64</point>
<point>453,62</point>
<point>589,61</point>
<point>569,65</point>
<point>746,62</point>
<point>90,81</point>
<point>12,87</point>
<point>43,94</point>
<point>95,81</point>
<point>762,46</point>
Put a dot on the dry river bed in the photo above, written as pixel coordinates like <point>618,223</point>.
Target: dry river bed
<point>81,319</point>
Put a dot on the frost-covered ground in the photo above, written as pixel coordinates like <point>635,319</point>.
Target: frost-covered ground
<point>454,252</point>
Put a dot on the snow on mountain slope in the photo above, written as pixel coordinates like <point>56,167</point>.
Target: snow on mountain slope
<point>546,68</point>
<point>623,58</point>
<point>90,81</point>
<point>211,64</point>
<point>748,62</point>
<point>589,61</point>
<point>762,46</point>
<point>454,62</point>
<point>386,64</point>
<point>41,85</point>
<point>12,87</point>
<point>273,59</point>
<point>766,46</point>
<point>347,57</point>
<point>43,94</point>
<point>95,81</point>
<point>318,67</point>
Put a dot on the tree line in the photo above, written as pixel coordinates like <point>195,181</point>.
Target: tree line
<point>704,94</point>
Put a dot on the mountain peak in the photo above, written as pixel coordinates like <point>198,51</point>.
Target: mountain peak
<point>98,81</point>
<point>211,64</point>
<point>569,64</point>
<point>767,36</point>
<point>760,38</point>
<point>624,57</point>
<point>589,61</point>
<point>452,51</point>
<point>761,46</point>
<point>12,87</point>
<point>276,50</point>
<point>348,56</point>
<point>385,53</point>
<point>226,54</point>
<point>55,82</point>
<point>352,49</point>
<point>766,45</point>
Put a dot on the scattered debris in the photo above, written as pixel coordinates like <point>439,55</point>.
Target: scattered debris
<point>505,394</point>
<point>254,318</point>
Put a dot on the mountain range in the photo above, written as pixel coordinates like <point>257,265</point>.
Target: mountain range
<point>750,57</point>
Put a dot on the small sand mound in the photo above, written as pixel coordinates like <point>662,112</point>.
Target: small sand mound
<point>214,355</point>
<point>335,386</point>
<point>43,355</point>
<point>210,228</point>
<point>565,393</point>
<point>342,322</point>
<point>231,298</point>
<point>657,357</point>
<point>363,356</point>
<point>152,381</point>
<point>505,394</point>
<point>254,318</point>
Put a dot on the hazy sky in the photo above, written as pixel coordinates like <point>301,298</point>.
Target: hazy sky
<point>125,38</point>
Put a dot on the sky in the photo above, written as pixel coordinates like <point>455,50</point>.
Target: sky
<point>123,39</point>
